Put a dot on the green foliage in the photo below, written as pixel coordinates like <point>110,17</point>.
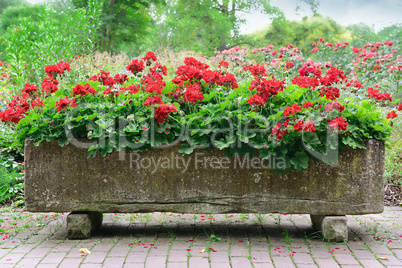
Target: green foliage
<point>222,120</point>
<point>4,4</point>
<point>302,33</point>
<point>363,34</point>
<point>124,24</point>
<point>393,155</point>
<point>30,46</point>
<point>11,17</point>
<point>11,178</point>
<point>203,26</point>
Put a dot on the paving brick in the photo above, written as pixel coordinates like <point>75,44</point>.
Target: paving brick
<point>285,262</point>
<point>327,263</point>
<point>136,257</point>
<point>363,254</point>
<point>135,265</point>
<point>260,256</point>
<point>240,262</point>
<point>114,263</point>
<point>11,258</point>
<point>219,257</point>
<point>239,251</point>
<point>307,266</point>
<point>95,257</point>
<point>345,259</point>
<point>371,263</point>
<point>176,265</point>
<point>302,258</point>
<point>53,258</point>
<point>28,262</point>
<point>70,262</point>
<point>155,262</point>
<point>118,252</point>
<point>263,265</point>
<point>380,250</point>
<point>177,256</point>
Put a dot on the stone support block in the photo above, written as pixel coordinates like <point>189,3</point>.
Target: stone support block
<point>80,225</point>
<point>333,228</point>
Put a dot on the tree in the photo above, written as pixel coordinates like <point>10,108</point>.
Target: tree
<point>12,15</point>
<point>303,33</point>
<point>4,4</point>
<point>206,25</point>
<point>124,23</point>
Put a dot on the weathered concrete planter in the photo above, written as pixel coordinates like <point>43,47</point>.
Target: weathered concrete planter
<point>62,179</point>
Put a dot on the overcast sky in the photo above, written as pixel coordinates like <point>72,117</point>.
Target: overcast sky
<point>375,13</point>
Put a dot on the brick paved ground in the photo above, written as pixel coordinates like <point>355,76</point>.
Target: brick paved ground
<point>176,240</point>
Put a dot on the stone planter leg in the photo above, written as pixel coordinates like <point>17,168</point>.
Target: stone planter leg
<point>333,228</point>
<point>81,224</point>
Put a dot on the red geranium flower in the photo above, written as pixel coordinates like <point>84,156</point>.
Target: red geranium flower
<point>338,123</point>
<point>64,102</point>
<point>307,104</point>
<point>391,115</point>
<point>29,89</point>
<point>163,111</point>
<point>256,100</point>
<point>292,110</point>
<point>151,101</point>
<point>83,90</point>
<point>135,66</point>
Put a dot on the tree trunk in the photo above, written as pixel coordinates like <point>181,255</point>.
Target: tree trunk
<point>225,11</point>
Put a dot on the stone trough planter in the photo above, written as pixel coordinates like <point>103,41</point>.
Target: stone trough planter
<point>63,179</point>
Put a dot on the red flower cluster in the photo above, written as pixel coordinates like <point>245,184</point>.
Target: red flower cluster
<point>223,64</point>
<point>83,90</point>
<point>334,75</point>
<point>191,71</point>
<point>256,100</point>
<point>64,102</point>
<point>228,80</point>
<point>135,66</point>
<point>153,83</point>
<point>334,106</point>
<point>391,115</point>
<point>307,104</point>
<point>330,93</point>
<point>107,80</point>
<point>59,68</point>
<point>30,89</point>
<point>149,57</point>
<point>163,111</point>
<point>375,93</point>
<point>338,123</point>
<point>267,88</point>
<point>305,126</point>
<point>152,101</point>
<point>257,70</point>
<point>355,84</point>
<point>305,81</point>
<point>279,130</point>
<point>291,110</point>
<point>193,93</point>
<point>289,65</point>
<point>133,89</point>
<point>49,85</point>
<point>110,91</point>
<point>19,107</point>
<point>306,71</point>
